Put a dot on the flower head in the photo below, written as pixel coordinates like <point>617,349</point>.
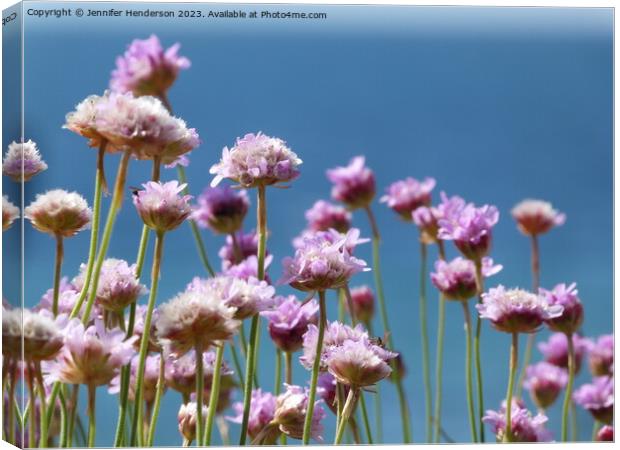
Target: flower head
<point>10,212</point>
<point>601,356</point>
<point>138,327</point>
<point>262,411</point>
<point>363,302</point>
<point>357,363</point>
<point>180,373</point>
<point>325,215</point>
<point>238,249</point>
<point>572,316</point>
<point>146,68</point>
<point>41,333</point>
<point>605,434</point>
<point>456,279</point>
<point>221,209</point>
<point>525,427</point>
<point>354,185</point>
<point>545,381</point>
<point>426,218</point>
<point>516,310</point>
<point>405,196</point>
<point>161,207</point>
<point>290,413</point>
<point>248,268</point>
<point>187,417</point>
<point>326,390</point>
<point>555,350</point>
<point>83,121</point>
<point>536,217</point>
<point>151,375</point>
<point>598,398</point>
<point>289,320</point>
<point>59,213</point>
<point>257,160</point>
<point>22,161</point>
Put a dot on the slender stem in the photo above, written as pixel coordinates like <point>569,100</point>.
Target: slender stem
<point>514,360</point>
<point>569,387</point>
<point>346,413</point>
<point>595,427</point>
<point>261,220</point>
<point>477,357</point>
<point>425,350</point>
<point>214,395</point>
<point>75,389</point>
<point>377,406</point>
<point>161,383</point>
<point>404,408</point>
<point>278,380</point>
<point>57,271</point>
<point>144,341</point>
<point>32,430</point>
<point>347,295</point>
<point>441,322</point>
<point>535,263</point>
<point>468,375</point>
<point>355,432</point>
<point>62,437</point>
<point>341,305</point>
<point>11,411</point>
<point>238,255</point>
<point>41,388</point>
<point>235,358</point>
<point>340,399</point>
<point>222,426</point>
<point>288,367</point>
<point>200,389</point>
<point>92,425</point>
<point>249,371</point>
<point>573,421</point>
<point>365,418</point>
<point>315,369</point>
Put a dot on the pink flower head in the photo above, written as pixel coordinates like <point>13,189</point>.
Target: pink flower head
<point>326,390</point>
<point>187,416</point>
<point>138,327</point>
<point>602,356</point>
<point>555,350</point>
<point>161,207</point>
<point>290,413</point>
<point>605,434</point>
<point>59,213</point>
<point>221,209</point>
<point>322,262</point>
<point>10,213</point>
<point>289,320</point>
<point>363,300</point>
<point>545,381</point>
<point>248,268</point>
<point>536,217</point>
<point>457,279</point>
<point>262,411</point>
<point>255,160</point>
<point>572,317</point>
<point>598,398</point>
<point>325,215</point>
<point>83,121</point>
<point>516,310</point>
<point>405,196</point>
<point>237,250</point>
<point>181,161</point>
<point>151,375</point>
<point>180,373</point>
<point>22,161</point>
<point>524,426</point>
<point>352,238</point>
<point>354,185</point>
<point>425,218</point>
<point>146,69</point>
<point>38,334</point>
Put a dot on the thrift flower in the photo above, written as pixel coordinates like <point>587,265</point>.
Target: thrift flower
<point>555,350</point>
<point>221,209</point>
<point>405,196</point>
<point>602,356</point>
<point>354,185</point>
<point>358,363</point>
<point>262,411</point>
<point>248,268</point>
<point>326,390</point>
<point>41,333</point>
<point>10,213</point>
<point>572,316</point>
<point>536,217</point>
<point>22,161</point>
<point>363,301</point>
<point>425,218</point>
<point>235,251</point>
<point>138,328</point>
<point>545,381</point>
<point>525,427</point>
<point>59,213</point>
<point>605,434</point>
<point>83,121</point>
<point>151,376</point>
<point>180,372</point>
<point>324,215</point>
<point>187,419</point>
<point>290,413</point>
<point>456,279</point>
<point>598,398</point>
<point>289,320</point>
<point>161,207</point>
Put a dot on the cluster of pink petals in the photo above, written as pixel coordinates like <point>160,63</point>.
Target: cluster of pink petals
<point>456,279</point>
<point>161,205</point>
<point>262,412</point>
<point>536,217</point>
<point>525,427</point>
<point>289,321</point>
<point>248,268</point>
<point>23,161</point>
<point>572,316</point>
<point>545,381</point>
<point>138,327</point>
<point>363,302</point>
<point>601,355</point>
<point>10,213</point>
<point>246,246</point>
<point>325,215</point>
<point>151,376</point>
<point>146,68</point>
<point>187,417</point>
<point>405,196</point>
<point>605,434</point>
<point>555,349</point>
<point>335,334</point>
<point>59,213</point>
<point>291,410</point>
<point>221,209</point>
<point>257,159</point>
<point>352,238</point>
<point>354,185</point>
<point>180,373</point>
<point>38,334</point>
<point>598,398</point>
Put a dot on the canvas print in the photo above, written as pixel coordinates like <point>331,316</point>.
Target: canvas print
<point>301,224</point>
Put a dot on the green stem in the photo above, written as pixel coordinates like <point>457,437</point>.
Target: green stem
<point>349,299</point>
<point>425,350</point>
<point>249,372</point>
<point>11,411</point>
<point>62,437</point>
<point>365,418</point>
<point>595,428</point>
<point>200,389</point>
<point>235,358</point>
<point>161,383</point>
<point>477,357</point>
<point>341,305</point>
<point>214,395</point>
<point>278,380</point>
<point>92,425</point>
<point>41,388</point>
<point>468,375</point>
<point>57,271</point>
<point>75,389</point>
<point>573,422</point>
<point>288,368</point>
<point>514,360</point>
<point>315,369</point>
<point>32,423</point>
<point>569,387</point>
<point>378,421</point>
<point>346,413</point>
<point>441,325</point>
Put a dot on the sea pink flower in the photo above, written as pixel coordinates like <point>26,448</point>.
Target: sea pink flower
<point>146,68</point>
<point>605,434</point>
<point>10,213</point>
<point>59,213</point>
<point>246,246</point>
<point>598,398</point>
<point>516,310</point>
<point>138,327</point>
<point>545,381</point>
<point>536,217</point>
<point>289,320</point>
<point>572,316</point>
<point>39,332</point>
<point>524,426</point>
<point>326,390</point>
<point>325,215</point>
<point>262,411</point>
<point>405,196</point>
<point>363,302</point>
<point>354,185</point>
<point>357,363</point>
<point>22,161</point>
<point>555,350</point>
<point>601,356</point>
<point>187,417</point>
<point>161,207</point>
<point>352,237</point>
<point>180,372</point>
<point>248,268</point>
<point>221,209</point>
<point>290,413</point>
<point>425,218</point>
<point>83,121</point>
<point>255,160</point>
<point>456,279</point>
<point>151,376</point>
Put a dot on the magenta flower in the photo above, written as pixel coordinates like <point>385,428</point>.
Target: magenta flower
<point>363,300</point>
<point>289,321</point>
<point>10,213</point>
<point>605,434</point>
<point>290,413</point>
<point>22,161</point>
<point>525,427</point>
<point>59,213</point>
<point>221,209</point>
<point>358,363</point>
<point>572,316</point>
<point>354,185</point>
<point>180,373</point>
<point>187,416</point>
<point>262,411</point>
<point>405,196</point>
<point>545,381</point>
<point>146,69</point>
<point>536,217</point>
<point>325,215</point>
<point>237,250</point>
<point>161,207</point>
<point>257,159</point>
<point>598,398</point>
<point>457,279</point>
<point>151,375</point>
<point>602,356</point>
<point>516,310</point>
<point>555,350</point>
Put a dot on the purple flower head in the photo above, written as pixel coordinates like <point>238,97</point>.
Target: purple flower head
<point>322,262</point>
<point>325,215</point>
<point>221,209</point>
<point>516,310</point>
<point>40,333</point>
<point>598,398</point>
<point>605,434</point>
<point>572,317</point>
<point>457,279</point>
<point>238,249</point>
<point>262,411</point>
<point>22,161</point>
<point>83,121</point>
<point>536,217</point>
<point>161,207</point>
<point>326,390</point>
<point>289,320</point>
<point>138,328</point>
<point>151,375</point>
<point>363,300</point>
<point>555,350</point>
<point>182,161</point>
<point>180,373</point>
<point>248,268</point>
<point>354,185</point>
<point>59,213</point>
<point>146,68</point>
<point>425,218</point>
<point>290,413</point>
<point>602,356</point>
<point>525,427</point>
<point>187,416</point>
<point>405,196</point>
<point>10,213</point>
<point>545,381</point>
<point>333,236</point>
<point>257,160</point>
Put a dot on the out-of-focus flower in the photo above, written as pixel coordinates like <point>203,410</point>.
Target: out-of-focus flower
<point>516,310</point>
<point>181,372</point>
<point>59,213</point>
<point>601,356</point>
<point>536,217</point>
<point>572,316</point>
<point>41,333</point>
<point>524,426</point>
<point>151,375</point>
<point>545,381</point>
<point>325,215</point>
<point>326,390</point>
<point>248,268</point>
<point>22,161</point>
<point>262,411</point>
<point>138,327</point>
<point>405,196</point>
<point>239,248</point>
<point>598,398</point>
<point>426,217</point>
<point>187,419</point>
<point>290,413</point>
<point>221,209</point>
<point>555,349</point>
<point>257,160</point>
<point>363,302</point>
<point>605,434</point>
<point>456,279</point>
<point>352,238</point>
<point>146,68</point>
<point>354,185</point>
<point>161,207</point>
<point>10,212</point>
<point>289,321</point>
<point>358,364</point>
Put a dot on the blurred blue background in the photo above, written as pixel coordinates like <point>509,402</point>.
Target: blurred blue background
<point>498,104</point>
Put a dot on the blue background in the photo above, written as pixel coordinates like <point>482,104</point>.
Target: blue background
<point>498,104</point>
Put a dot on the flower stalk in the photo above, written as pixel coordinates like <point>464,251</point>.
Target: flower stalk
<point>468,375</point>
<point>479,381</point>
<point>215,394</point>
<point>425,347</point>
<point>569,387</point>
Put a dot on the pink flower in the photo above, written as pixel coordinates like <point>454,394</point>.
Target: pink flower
<point>598,398</point>
<point>405,196</point>
<point>363,300</point>
<point>180,373</point>
<point>84,122</point>
<point>262,411</point>
<point>290,413</point>
<point>354,185</point>
<point>23,161</point>
<point>59,213</point>
<point>248,268</point>
<point>221,209</point>
<point>605,434</point>
<point>358,363</point>
<point>602,356</point>
<point>187,416</point>
<point>536,217</point>
<point>289,321</point>
<point>237,250</point>
<point>38,334</point>
<point>151,376</point>
<point>572,316</point>
<point>324,215</point>
<point>161,207</point>
<point>545,381</point>
<point>555,350</point>
<point>525,427</point>
<point>426,217</point>
<point>457,279</point>
<point>10,213</point>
